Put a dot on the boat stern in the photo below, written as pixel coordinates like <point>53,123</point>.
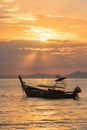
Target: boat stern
<point>77,90</point>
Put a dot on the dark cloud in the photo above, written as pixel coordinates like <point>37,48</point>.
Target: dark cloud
<point>16,61</point>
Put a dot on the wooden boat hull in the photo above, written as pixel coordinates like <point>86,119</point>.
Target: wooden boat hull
<point>48,94</point>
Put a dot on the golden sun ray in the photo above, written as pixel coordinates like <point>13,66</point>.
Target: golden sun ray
<point>27,62</point>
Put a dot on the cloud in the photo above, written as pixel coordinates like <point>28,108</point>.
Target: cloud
<point>26,57</point>
<point>37,49</point>
<point>9,6</point>
<point>35,42</point>
<point>32,26</point>
<point>79,50</point>
<point>45,34</point>
<point>17,18</point>
<point>15,9</point>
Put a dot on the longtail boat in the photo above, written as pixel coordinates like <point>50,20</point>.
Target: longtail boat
<point>50,91</point>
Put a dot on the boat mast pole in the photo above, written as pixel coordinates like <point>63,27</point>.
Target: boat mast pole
<point>21,80</point>
<point>22,84</point>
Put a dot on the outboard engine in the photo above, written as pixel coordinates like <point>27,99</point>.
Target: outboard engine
<point>77,90</point>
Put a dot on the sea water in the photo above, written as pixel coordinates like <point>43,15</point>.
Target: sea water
<point>20,113</point>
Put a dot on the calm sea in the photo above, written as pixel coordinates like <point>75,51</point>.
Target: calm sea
<point>20,113</point>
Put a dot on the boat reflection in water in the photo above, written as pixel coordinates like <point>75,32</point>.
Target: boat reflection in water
<point>56,91</point>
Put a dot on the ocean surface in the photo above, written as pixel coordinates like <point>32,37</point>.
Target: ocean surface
<point>20,113</point>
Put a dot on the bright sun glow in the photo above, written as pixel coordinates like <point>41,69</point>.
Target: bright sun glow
<point>41,33</point>
<point>43,39</point>
<point>45,34</point>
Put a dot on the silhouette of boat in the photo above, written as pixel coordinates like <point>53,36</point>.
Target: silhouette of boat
<point>56,91</point>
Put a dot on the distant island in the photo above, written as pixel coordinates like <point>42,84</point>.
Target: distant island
<point>76,74</point>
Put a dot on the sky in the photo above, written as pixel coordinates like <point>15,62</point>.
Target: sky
<point>39,36</point>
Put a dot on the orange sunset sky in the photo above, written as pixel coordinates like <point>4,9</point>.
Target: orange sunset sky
<point>43,36</point>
